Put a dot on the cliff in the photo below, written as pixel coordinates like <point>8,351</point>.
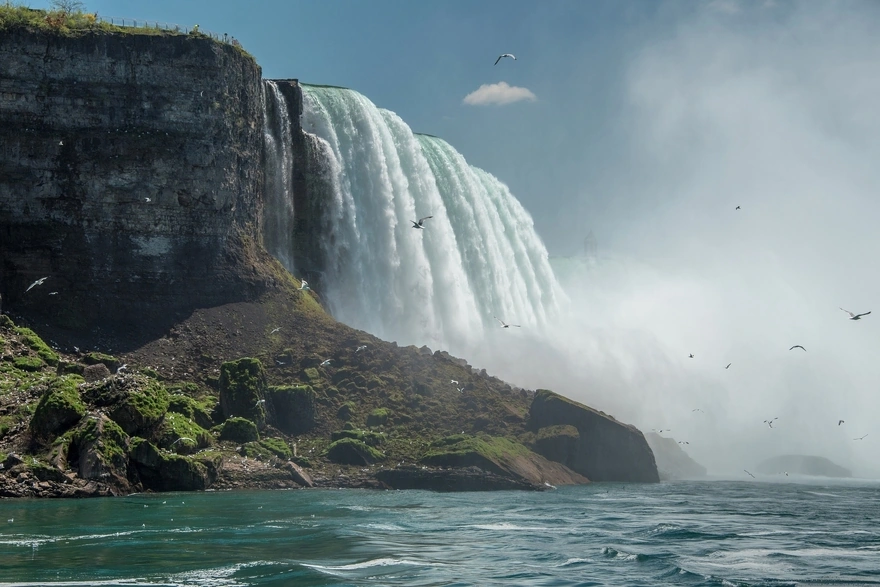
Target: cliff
<point>672,461</point>
<point>131,175</point>
<point>167,349</point>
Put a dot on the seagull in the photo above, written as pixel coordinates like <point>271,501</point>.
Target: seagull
<point>770,422</point>
<point>737,207</point>
<point>691,356</point>
<point>60,143</point>
<point>325,363</point>
<point>53,293</point>
<point>728,365</point>
<point>750,475</point>
<point>839,422</point>
<point>855,316</point>
<point>148,200</point>
<point>698,410</point>
<point>275,330</point>
<point>259,401</point>
<point>37,282</point>
<point>860,438</point>
<point>122,367</point>
<point>505,324</point>
<point>420,223</point>
<point>363,347</point>
<point>453,382</point>
<point>305,285</point>
<point>797,346</point>
<point>178,440</point>
<point>683,442</point>
<point>279,363</point>
<point>500,57</point>
<point>460,389</point>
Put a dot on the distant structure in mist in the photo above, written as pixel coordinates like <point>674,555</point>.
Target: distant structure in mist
<point>590,246</point>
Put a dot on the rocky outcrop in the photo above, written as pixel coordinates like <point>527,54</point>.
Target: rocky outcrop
<point>604,450</point>
<point>130,176</point>
<point>293,407</point>
<point>672,461</point>
<point>349,451</point>
<point>162,471</point>
<point>802,465</point>
<point>60,408</point>
<point>243,390</point>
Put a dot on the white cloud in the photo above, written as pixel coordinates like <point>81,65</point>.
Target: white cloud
<point>500,93</point>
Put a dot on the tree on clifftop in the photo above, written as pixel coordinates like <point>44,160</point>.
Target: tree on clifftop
<point>67,7</point>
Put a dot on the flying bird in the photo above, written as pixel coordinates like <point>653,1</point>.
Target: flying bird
<point>325,363</point>
<point>770,422</point>
<point>500,57</point>
<point>860,438</point>
<point>275,330</point>
<point>37,282</point>
<point>797,346</point>
<point>148,200</point>
<point>691,356</point>
<point>750,475</point>
<point>363,347</point>
<point>683,442</point>
<point>505,324</point>
<point>460,389</point>
<point>855,316</point>
<point>53,293</point>
<point>839,422</point>
<point>421,223</point>
<point>698,410</point>
<point>737,207</point>
<point>728,365</point>
<point>453,382</point>
<point>304,286</point>
<point>178,440</point>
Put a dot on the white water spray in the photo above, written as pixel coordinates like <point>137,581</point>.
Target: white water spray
<point>278,227</point>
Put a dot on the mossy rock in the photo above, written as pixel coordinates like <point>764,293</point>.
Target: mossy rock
<point>162,471</point>
<point>557,443</point>
<point>486,452</point>
<point>94,358</point>
<point>268,448</point>
<point>98,447</point>
<point>35,343</point>
<point>142,407</point>
<point>295,408</point>
<point>59,408</point>
<point>180,434</point>
<point>378,417</point>
<point>367,437</point>
<point>346,411</point>
<point>312,375</point>
<point>348,451</point>
<point>29,363</point>
<point>199,412</point>
<point>239,430</point>
<point>242,389</point>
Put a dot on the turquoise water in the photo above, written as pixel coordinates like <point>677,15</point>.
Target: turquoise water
<point>718,533</point>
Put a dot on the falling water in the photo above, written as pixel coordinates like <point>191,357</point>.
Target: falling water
<point>278,226</point>
<point>477,257</point>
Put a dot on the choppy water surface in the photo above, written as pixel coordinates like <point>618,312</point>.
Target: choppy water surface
<point>719,533</point>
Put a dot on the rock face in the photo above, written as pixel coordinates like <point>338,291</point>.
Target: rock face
<point>802,465</point>
<point>604,449</point>
<point>672,461</point>
<point>130,175</point>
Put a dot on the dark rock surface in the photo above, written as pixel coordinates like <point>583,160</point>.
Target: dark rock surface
<point>130,176</point>
<point>606,450</point>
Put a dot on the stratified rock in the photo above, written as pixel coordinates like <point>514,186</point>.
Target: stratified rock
<point>605,450</point>
<point>802,465</point>
<point>243,390</point>
<point>672,461</point>
<point>60,408</point>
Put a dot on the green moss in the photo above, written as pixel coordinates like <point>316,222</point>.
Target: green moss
<point>59,408</point>
<point>28,363</point>
<point>179,433</point>
<point>94,358</point>
<point>239,430</point>
<point>348,451</point>
<point>367,437</point>
<point>141,408</point>
<point>312,375</point>
<point>35,343</point>
<point>459,445</point>
<point>151,373</point>
<point>111,439</point>
<point>378,417</point>
<point>346,411</point>
<point>557,431</point>
<point>242,387</point>
<point>267,448</point>
<point>295,408</point>
<point>197,410</point>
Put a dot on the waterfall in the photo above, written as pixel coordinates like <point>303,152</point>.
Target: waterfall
<point>477,257</point>
<point>278,225</point>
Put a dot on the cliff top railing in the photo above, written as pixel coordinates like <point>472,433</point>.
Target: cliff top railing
<point>121,21</point>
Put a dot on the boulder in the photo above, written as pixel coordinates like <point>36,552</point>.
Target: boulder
<point>98,448</point>
<point>605,450</point>
<point>348,451</point>
<point>161,471</point>
<point>96,372</point>
<point>294,408</point>
<point>59,408</point>
<point>239,430</point>
<point>243,390</point>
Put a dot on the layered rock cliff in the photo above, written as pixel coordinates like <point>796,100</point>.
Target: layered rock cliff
<point>672,461</point>
<point>130,175</point>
